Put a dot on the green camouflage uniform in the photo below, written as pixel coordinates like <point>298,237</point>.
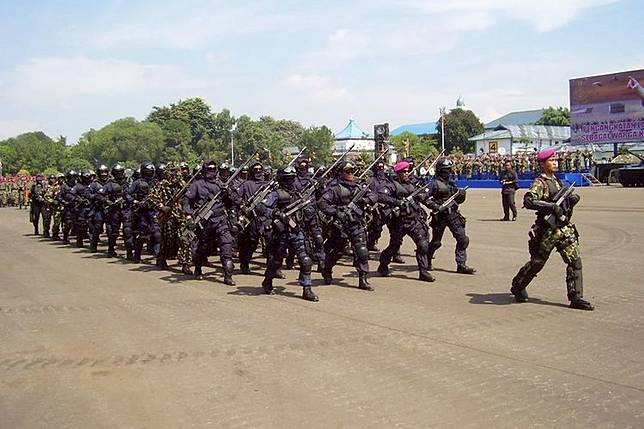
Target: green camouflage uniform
<point>544,238</point>
<point>54,208</point>
<point>160,195</point>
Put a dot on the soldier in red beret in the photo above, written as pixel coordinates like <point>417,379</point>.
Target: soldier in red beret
<point>552,229</point>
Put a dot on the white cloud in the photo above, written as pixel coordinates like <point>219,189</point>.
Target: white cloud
<point>318,87</point>
<point>43,80</point>
<point>191,28</point>
<point>543,15</point>
<point>14,127</point>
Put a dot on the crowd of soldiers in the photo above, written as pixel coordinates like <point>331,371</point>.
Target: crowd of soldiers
<point>298,216</point>
<point>491,166</point>
<point>14,191</point>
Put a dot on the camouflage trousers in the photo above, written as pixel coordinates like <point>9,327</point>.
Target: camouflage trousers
<point>57,215</point>
<point>171,242</point>
<point>542,241</point>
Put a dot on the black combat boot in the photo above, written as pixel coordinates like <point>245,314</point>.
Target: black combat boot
<point>198,273</point>
<point>464,269</point>
<point>397,259</point>
<point>79,241</point>
<point>363,282</point>
<point>65,237</point>
<point>129,254</point>
<point>162,263</point>
<point>138,249</point>
<point>111,242</point>
<point>426,276</point>
<point>46,234</point>
<point>372,247</point>
<point>309,295</point>
<point>244,268</point>
<point>520,295</point>
<point>383,270</point>
<point>185,269</point>
<point>229,267</point>
<point>267,285</point>
<point>579,303</point>
<point>279,274</point>
<point>55,237</point>
<point>93,245</point>
<point>326,275</point>
<point>36,232</point>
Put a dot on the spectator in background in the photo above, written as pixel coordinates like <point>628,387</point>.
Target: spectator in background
<point>509,186</point>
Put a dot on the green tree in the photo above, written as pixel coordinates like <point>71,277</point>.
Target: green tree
<point>33,151</point>
<point>460,125</point>
<point>409,144</point>
<point>319,143</point>
<point>194,112</point>
<point>123,139</point>
<point>559,116</point>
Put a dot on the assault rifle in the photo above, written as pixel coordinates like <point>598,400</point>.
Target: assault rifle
<point>289,211</point>
<point>307,193</point>
<point>258,197</point>
<point>431,166</point>
<point>204,212</point>
<point>118,201</point>
<point>162,217</point>
<point>560,197</point>
<point>375,161</point>
<point>450,201</point>
<point>352,208</point>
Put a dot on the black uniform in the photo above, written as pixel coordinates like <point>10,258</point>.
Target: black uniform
<point>286,231</point>
<point>348,225</point>
<point>407,217</point>
<point>214,230</point>
<point>509,188</point>
<point>441,189</point>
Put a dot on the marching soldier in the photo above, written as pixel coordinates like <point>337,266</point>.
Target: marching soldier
<point>348,224</point>
<point>560,233</point>
<point>444,216</point>
<point>286,232</point>
<point>402,200</point>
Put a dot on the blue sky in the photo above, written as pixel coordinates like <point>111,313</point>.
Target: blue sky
<point>68,66</point>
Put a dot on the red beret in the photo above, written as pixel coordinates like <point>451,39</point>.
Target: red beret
<point>401,166</point>
<point>545,154</point>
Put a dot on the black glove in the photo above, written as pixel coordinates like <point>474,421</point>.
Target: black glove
<point>573,199</point>
<point>341,215</point>
<point>280,215</point>
<point>557,210</point>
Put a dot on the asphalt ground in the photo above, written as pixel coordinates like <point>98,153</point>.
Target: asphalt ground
<point>88,341</point>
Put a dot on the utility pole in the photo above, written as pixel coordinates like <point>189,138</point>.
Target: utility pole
<point>232,146</point>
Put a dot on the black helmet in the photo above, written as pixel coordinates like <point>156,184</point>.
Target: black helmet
<point>444,164</point>
<point>286,173</point>
<point>147,170</point>
<point>160,170</point>
<point>86,176</point>
<point>51,177</point>
<point>71,175</point>
<point>118,172</point>
<point>102,172</point>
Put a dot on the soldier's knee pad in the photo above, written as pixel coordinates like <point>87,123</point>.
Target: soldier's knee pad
<point>434,246</point>
<point>127,231</point>
<point>423,247</point>
<point>318,239</point>
<point>464,241</point>
<point>305,261</point>
<point>156,236</point>
<point>362,253</point>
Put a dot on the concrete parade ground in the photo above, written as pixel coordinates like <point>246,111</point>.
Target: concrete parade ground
<point>92,342</point>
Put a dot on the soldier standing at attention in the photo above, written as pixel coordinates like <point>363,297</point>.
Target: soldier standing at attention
<point>509,188</point>
<point>544,237</point>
